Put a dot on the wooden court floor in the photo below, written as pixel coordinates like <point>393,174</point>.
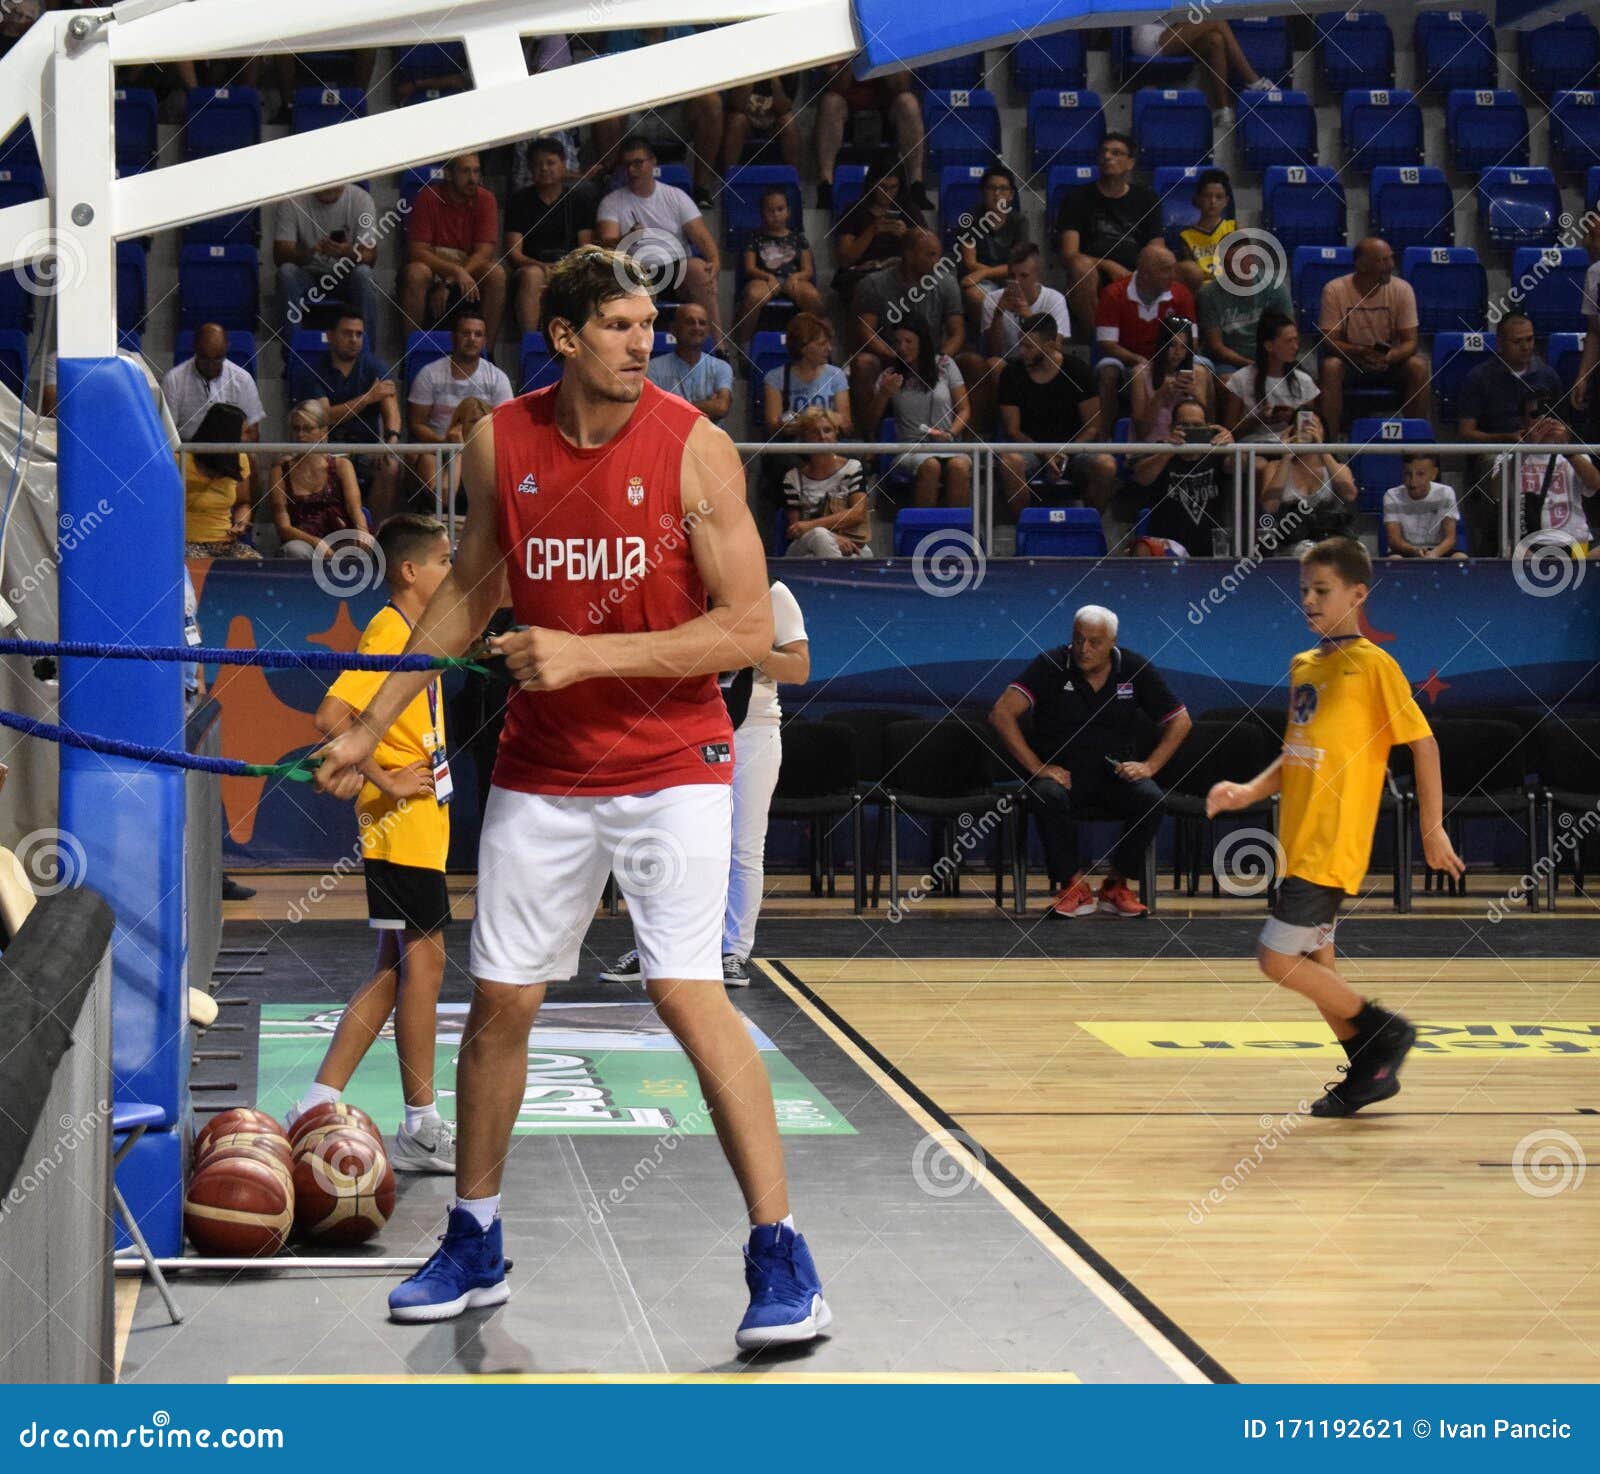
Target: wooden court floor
<point>1446,1235</point>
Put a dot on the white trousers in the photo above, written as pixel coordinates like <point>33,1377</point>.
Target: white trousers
<point>758,753</point>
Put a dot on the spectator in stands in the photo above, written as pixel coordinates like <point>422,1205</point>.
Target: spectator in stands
<point>689,371</point>
<point>437,388</point>
<point>1262,401</point>
<point>985,248</point>
<point>1232,302</point>
<point>1583,395</point>
<point>1309,495</point>
<point>893,96</point>
<point>1102,226</point>
<point>1196,246</point>
<point>872,232</point>
<point>1419,515</point>
<point>550,217</point>
<point>825,496</point>
<point>544,54</point>
<point>454,249</point>
<point>314,495</point>
<point>924,391</point>
<point>1212,44</point>
<point>1046,395</point>
<point>809,378</point>
<point>1489,408</point>
<point>1189,493</point>
<point>325,247</point>
<point>913,293</point>
<point>210,378</point>
<point>777,263</point>
<point>1128,318</point>
<point>1369,332</point>
<point>644,214</point>
<point>216,489</point>
<point>762,110</point>
<point>1169,375</point>
<point>357,394</point>
<point>1025,295</point>
<point>1552,488</point>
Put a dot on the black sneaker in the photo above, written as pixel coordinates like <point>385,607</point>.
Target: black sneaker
<point>1373,1073</point>
<point>735,970</point>
<point>626,969</point>
<point>233,891</point>
<point>824,194</point>
<point>917,196</point>
<point>703,200</point>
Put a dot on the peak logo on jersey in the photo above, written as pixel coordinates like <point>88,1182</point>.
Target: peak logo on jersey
<point>635,491</point>
<point>585,559</point>
<point>528,486</point>
<point>716,752</point>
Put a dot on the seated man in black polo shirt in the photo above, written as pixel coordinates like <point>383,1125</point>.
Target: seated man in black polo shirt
<point>1086,698</point>
<point>363,408</point>
<point>545,221</point>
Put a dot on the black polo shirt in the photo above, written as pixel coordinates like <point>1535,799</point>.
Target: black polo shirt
<point>1072,722</point>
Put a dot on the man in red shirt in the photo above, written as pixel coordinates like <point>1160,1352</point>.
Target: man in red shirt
<point>614,515</point>
<point>453,255</point>
<point>1127,321</point>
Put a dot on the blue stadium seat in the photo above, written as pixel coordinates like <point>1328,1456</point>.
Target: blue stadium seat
<point>1063,128</point>
<point>1551,283</point>
<point>1058,532</point>
<point>13,358</point>
<point>848,182</point>
<point>1277,128</point>
<point>135,116</point>
<point>958,72</point>
<point>241,348</point>
<point>1518,207</point>
<point>18,186</point>
<point>918,527</point>
<point>541,364</point>
<point>1375,473</point>
<point>962,127</point>
<point>1174,187</point>
<point>1452,289</point>
<point>1559,57</point>
<point>421,350</point>
<point>322,107</point>
<point>237,228</point>
<point>304,346</point>
<point>1304,206</point>
<point>1059,179</point>
<point>1055,61</point>
<point>1487,129</point>
<point>960,192</point>
<point>767,351</point>
<point>1355,50</point>
<point>1454,356</point>
<point>743,186</point>
<point>221,119</point>
<point>1311,268</point>
<point>1380,127</point>
<point>1411,207</point>
<point>679,175</point>
<point>1575,130</point>
<point>17,149</point>
<point>432,61</point>
<point>133,286</point>
<point>1564,352</point>
<point>1171,125</point>
<point>1153,71</point>
<point>1455,48</point>
<point>1266,43</point>
<point>219,284</point>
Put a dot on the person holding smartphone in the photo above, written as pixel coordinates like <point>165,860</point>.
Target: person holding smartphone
<point>1190,494</point>
<point>1170,375</point>
<point>325,246</point>
<point>1309,495</point>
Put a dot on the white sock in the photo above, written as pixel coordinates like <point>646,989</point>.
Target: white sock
<point>317,1094</point>
<point>416,1115</point>
<point>787,1221</point>
<point>485,1210</point>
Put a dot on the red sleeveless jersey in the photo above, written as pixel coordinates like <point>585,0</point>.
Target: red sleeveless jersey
<point>595,543</point>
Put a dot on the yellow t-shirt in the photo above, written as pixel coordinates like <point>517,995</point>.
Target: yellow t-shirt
<point>1204,243</point>
<point>409,831</point>
<point>208,502</point>
<point>1349,703</point>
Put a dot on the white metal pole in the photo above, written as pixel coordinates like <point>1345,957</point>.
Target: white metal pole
<point>81,159</point>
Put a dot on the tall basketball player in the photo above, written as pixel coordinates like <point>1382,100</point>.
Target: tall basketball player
<point>617,515</point>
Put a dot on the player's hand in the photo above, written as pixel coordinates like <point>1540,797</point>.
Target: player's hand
<point>1134,772</point>
<point>1225,797</point>
<point>411,780</point>
<point>1056,772</point>
<point>1440,854</point>
<point>544,660</point>
<point>340,770</point>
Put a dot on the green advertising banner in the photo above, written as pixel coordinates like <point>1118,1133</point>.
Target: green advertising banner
<point>594,1069</point>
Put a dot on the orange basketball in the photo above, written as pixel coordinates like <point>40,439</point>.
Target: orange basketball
<point>275,1147</point>
<point>343,1188</point>
<point>335,1113</point>
<point>254,1149</point>
<point>240,1118</point>
<point>238,1207</point>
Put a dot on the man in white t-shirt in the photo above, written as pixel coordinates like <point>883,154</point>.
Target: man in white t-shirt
<point>1000,330</point>
<point>210,377</point>
<point>659,225</point>
<point>325,245</point>
<point>439,387</point>
<point>1420,515</point>
<point>1552,488</point>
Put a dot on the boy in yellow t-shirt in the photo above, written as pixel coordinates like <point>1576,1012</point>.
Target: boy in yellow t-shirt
<point>1349,702</point>
<point>405,835</point>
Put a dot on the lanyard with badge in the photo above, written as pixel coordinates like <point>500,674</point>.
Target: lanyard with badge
<point>443,786</point>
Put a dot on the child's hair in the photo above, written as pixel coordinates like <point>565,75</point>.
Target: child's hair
<point>815,414</point>
<point>1421,455</point>
<point>1348,558</point>
<point>774,189</point>
<point>407,536</point>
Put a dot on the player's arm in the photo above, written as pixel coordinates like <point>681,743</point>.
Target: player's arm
<point>1225,797</point>
<point>459,610</point>
<point>1437,850</point>
<point>788,665</point>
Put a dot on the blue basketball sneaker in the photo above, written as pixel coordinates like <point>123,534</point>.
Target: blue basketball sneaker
<point>467,1272</point>
<point>786,1303</point>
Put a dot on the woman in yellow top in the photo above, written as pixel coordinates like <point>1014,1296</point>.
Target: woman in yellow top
<point>216,491</point>
<point>1197,245</point>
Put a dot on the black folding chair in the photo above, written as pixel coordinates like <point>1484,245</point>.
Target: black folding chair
<point>1485,777</point>
<point>1215,751</point>
<point>817,783</point>
<point>1569,754</point>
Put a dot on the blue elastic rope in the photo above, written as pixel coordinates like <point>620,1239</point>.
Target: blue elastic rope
<point>215,655</point>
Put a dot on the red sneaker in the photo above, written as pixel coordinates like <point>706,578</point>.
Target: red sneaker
<point>1076,900</point>
<point>1119,900</point>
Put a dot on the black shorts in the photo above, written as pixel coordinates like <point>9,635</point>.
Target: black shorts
<point>406,896</point>
<point>1303,917</point>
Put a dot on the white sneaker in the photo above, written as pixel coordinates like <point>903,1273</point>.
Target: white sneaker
<point>735,971</point>
<point>430,1148</point>
<point>1221,120</point>
<point>1261,84</point>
